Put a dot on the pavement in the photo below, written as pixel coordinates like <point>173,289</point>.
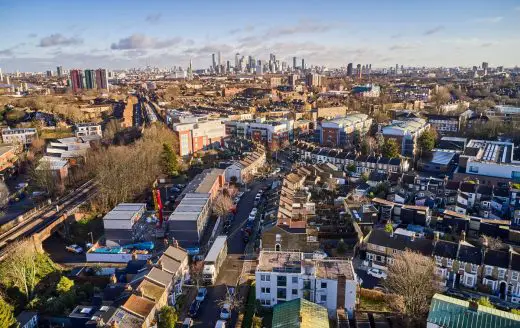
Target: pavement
<point>231,270</point>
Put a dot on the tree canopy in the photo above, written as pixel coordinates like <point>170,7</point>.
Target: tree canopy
<point>427,140</point>
<point>390,148</point>
<point>167,317</point>
<point>169,160</point>
<point>7,318</point>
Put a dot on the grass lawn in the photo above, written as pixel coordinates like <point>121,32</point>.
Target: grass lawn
<point>368,304</point>
<point>56,134</point>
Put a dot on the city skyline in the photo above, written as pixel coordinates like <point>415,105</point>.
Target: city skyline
<point>135,34</point>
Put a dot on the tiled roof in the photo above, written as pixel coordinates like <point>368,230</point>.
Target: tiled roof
<point>139,305</point>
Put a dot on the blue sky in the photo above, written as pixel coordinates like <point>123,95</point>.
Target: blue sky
<point>38,35</point>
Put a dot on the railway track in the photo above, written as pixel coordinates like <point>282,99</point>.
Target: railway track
<point>41,219</point>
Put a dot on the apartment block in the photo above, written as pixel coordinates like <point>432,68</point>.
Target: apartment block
<point>200,135</point>
<point>23,136</point>
<point>344,131</point>
<point>88,129</point>
<point>406,133</point>
<point>267,132</point>
<point>285,276</point>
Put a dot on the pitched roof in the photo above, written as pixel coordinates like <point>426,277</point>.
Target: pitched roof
<point>139,305</point>
<point>400,242</point>
<point>176,253</point>
<point>300,313</point>
<point>160,276</point>
<point>470,254</point>
<point>497,258</point>
<point>445,249</point>
<point>449,312</point>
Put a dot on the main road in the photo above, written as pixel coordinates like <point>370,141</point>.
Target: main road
<point>229,274</point>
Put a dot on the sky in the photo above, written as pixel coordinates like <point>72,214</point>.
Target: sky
<point>40,35</point>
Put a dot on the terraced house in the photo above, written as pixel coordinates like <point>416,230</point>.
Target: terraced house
<point>458,264</point>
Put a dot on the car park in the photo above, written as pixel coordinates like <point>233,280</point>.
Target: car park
<point>201,294</point>
<point>377,273</point>
<point>194,309</point>
<point>74,249</point>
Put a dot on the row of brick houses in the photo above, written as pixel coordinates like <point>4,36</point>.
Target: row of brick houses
<point>362,164</point>
<point>457,263</point>
<point>246,168</point>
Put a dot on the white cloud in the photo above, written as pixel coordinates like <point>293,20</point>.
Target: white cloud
<point>141,41</point>
<point>489,20</point>
<point>59,40</point>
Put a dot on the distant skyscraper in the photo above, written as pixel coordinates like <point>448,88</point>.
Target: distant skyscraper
<point>396,68</point>
<point>190,70</point>
<point>219,59</point>
<point>102,78</point>
<point>303,64</point>
<point>259,68</point>
<point>294,59</point>
<point>358,71</point>
<point>75,79</point>
<point>349,69</point>
<point>49,73</point>
<point>313,80</point>
<point>90,79</point>
<point>485,65</point>
<point>292,80</point>
<point>214,62</point>
<point>369,68</point>
<point>236,61</point>
<point>59,71</point>
<point>228,66</point>
<point>1,76</point>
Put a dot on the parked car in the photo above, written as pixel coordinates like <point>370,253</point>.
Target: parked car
<point>187,323</point>
<point>377,273</point>
<point>74,249</point>
<point>201,294</point>
<point>194,309</point>
<point>225,312</point>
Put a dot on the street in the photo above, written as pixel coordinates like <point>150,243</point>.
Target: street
<point>230,272</point>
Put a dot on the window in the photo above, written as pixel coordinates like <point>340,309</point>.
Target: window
<point>474,268</point>
<point>281,281</point>
<point>323,285</point>
<point>323,298</point>
<point>265,277</point>
<point>306,284</point>
<point>266,290</point>
<point>265,302</point>
<point>370,256</point>
<point>450,263</point>
<point>438,260</point>
<point>294,291</point>
<point>501,273</point>
<point>473,169</point>
<point>294,280</point>
<point>489,271</point>
<point>395,251</point>
<point>469,281</point>
<point>281,293</point>
<point>514,275</point>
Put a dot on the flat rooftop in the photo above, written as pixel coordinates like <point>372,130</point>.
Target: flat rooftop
<point>280,261</point>
<point>490,151</point>
<point>331,269</point>
<point>203,182</point>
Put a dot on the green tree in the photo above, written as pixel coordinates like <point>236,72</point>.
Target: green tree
<point>515,311</point>
<point>427,140</point>
<point>167,317</point>
<point>257,322</point>
<point>64,285</point>
<point>351,168</point>
<point>390,149</point>
<point>389,228</point>
<point>6,314</point>
<point>169,160</point>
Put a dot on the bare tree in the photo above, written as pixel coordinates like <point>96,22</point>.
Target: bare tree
<point>493,243</point>
<point>412,277</point>
<point>20,267</point>
<point>231,299</point>
<point>221,205</point>
<point>440,97</point>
